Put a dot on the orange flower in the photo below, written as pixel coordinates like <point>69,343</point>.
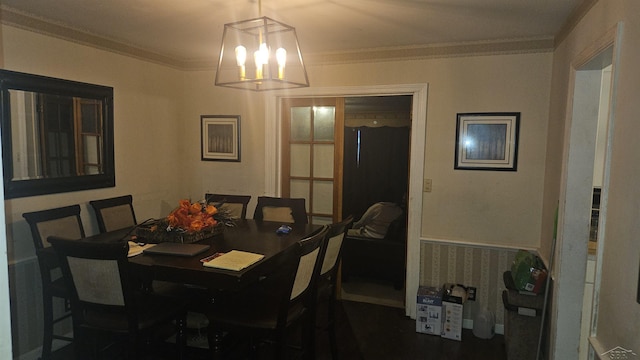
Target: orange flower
<point>211,210</point>
<point>173,221</point>
<point>210,222</point>
<point>195,208</point>
<point>196,225</point>
<point>192,216</point>
<point>184,203</point>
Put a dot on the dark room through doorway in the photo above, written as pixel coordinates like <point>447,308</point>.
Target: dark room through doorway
<point>377,132</point>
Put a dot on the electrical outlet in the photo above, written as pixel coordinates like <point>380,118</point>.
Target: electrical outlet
<point>471,293</point>
<point>427,185</point>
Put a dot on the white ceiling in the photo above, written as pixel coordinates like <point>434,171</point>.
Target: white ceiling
<point>191,30</point>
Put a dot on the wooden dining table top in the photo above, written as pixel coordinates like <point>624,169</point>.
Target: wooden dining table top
<point>249,235</point>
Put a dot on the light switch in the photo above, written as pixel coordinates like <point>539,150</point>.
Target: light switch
<point>427,185</point>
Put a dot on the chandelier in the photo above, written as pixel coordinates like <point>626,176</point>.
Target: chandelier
<point>260,54</point>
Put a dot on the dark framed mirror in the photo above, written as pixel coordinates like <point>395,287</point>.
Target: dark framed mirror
<point>57,135</point>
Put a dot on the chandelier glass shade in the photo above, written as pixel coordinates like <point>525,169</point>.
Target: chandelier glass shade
<point>260,54</point>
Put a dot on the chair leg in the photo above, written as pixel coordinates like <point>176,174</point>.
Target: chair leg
<point>47,338</point>
<point>331,328</point>
<point>280,344</point>
<point>310,349</point>
<point>84,346</point>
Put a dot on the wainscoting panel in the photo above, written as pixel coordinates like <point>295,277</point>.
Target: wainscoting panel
<point>25,289</point>
<point>481,267</point>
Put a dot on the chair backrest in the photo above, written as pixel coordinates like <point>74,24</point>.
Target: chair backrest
<point>334,246</point>
<point>98,278</point>
<point>295,274</point>
<point>313,250</point>
<point>235,205</point>
<point>63,221</point>
<point>114,213</point>
<point>288,210</point>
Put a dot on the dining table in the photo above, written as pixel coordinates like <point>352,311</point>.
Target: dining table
<point>248,235</point>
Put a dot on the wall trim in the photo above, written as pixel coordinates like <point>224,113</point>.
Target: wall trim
<point>29,22</point>
<point>14,262</point>
<point>571,255</point>
<point>578,13</point>
<point>477,244</point>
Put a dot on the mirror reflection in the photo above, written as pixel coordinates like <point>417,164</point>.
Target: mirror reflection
<point>54,136</point>
<point>57,135</point>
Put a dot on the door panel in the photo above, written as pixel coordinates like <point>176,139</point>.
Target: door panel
<point>312,155</point>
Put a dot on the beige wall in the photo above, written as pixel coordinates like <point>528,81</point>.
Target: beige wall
<point>244,177</point>
<point>618,321</point>
<point>500,208</point>
<point>149,127</point>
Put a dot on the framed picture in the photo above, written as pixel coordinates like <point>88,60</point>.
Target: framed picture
<point>487,141</point>
<point>220,137</point>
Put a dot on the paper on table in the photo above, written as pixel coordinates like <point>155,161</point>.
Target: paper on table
<point>137,249</point>
<point>234,260</point>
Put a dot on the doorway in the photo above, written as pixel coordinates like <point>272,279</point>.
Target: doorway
<point>581,171</point>
<point>377,131</point>
<point>418,92</point>
<point>343,155</point>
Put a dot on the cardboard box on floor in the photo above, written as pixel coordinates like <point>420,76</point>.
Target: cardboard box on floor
<point>452,306</point>
<point>429,310</point>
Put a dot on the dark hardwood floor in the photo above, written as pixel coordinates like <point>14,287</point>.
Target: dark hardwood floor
<point>371,332</point>
<point>382,332</point>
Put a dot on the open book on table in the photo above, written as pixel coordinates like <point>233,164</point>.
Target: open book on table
<point>137,249</point>
<point>233,260</point>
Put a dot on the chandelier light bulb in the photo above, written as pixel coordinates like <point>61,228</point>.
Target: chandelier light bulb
<point>241,58</point>
<point>281,57</point>
<point>257,57</point>
<point>241,55</point>
<point>264,53</point>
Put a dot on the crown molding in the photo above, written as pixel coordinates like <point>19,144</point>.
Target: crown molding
<point>489,47</point>
<point>572,21</point>
<point>29,22</point>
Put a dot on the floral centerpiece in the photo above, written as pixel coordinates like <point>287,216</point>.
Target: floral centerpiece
<point>189,222</point>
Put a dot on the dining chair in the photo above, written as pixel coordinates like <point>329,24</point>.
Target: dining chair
<point>288,210</point>
<point>117,213</point>
<point>235,205</point>
<point>114,213</point>
<point>106,300</point>
<point>63,221</point>
<point>284,298</point>
<point>328,278</point>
